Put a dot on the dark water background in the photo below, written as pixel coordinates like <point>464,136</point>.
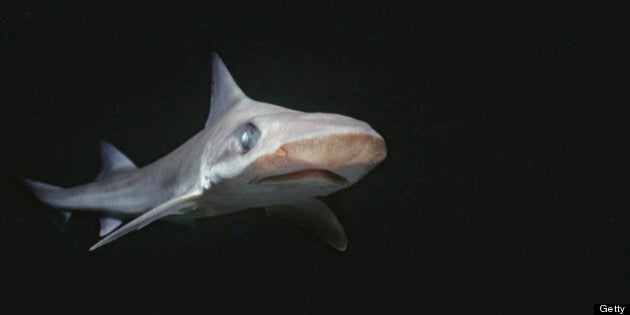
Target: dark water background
<point>504,190</point>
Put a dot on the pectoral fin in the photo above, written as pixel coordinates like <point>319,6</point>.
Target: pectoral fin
<point>315,216</point>
<point>178,205</point>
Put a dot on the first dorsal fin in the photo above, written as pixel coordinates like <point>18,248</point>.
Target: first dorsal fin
<point>113,161</point>
<point>225,91</point>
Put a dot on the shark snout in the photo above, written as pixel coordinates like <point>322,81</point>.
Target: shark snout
<point>336,151</point>
<point>340,159</point>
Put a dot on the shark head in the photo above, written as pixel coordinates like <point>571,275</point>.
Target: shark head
<point>271,154</point>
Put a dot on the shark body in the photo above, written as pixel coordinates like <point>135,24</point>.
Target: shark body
<point>250,154</point>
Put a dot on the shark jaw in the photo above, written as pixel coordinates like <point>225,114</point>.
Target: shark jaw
<point>305,175</point>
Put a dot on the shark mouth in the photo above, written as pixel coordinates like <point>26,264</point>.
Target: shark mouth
<point>306,174</point>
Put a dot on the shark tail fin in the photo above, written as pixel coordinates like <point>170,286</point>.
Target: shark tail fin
<point>50,195</point>
<point>45,192</point>
<point>55,196</point>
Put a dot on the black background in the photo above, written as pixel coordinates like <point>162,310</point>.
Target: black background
<point>504,189</point>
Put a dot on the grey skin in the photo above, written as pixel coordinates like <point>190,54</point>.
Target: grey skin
<point>250,154</point>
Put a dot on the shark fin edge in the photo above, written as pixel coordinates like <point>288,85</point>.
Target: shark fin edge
<point>61,220</point>
<point>47,193</point>
<point>224,91</point>
<point>315,216</point>
<point>113,161</point>
<point>177,205</point>
<point>50,195</point>
<point>108,224</point>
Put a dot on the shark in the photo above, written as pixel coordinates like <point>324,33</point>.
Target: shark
<point>250,154</point>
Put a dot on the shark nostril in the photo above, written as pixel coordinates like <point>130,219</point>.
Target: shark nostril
<point>281,152</point>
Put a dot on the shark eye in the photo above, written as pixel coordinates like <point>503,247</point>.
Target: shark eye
<point>249,137</point>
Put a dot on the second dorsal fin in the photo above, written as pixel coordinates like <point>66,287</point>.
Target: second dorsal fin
<point>113,161</point>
